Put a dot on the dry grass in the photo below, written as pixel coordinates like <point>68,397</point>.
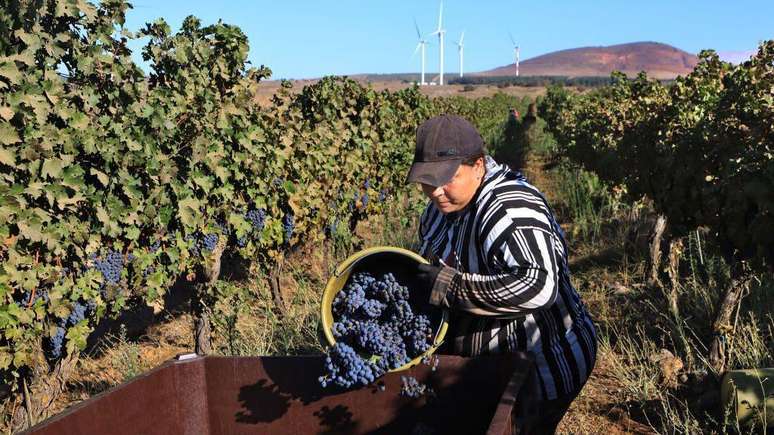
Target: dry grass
<point>118,359</point>
<point>652,375</point>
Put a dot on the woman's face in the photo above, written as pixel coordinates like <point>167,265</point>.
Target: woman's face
<point>457,193</point>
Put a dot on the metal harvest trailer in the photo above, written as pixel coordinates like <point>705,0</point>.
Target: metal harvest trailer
<point>281,395</point>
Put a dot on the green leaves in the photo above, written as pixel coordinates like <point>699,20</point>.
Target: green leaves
<point>700,149</point>
<point>108,160</point>
<point>52,168</point>
<point>10,72</point>
<point>8,157</point>
<point>189,212</point>
<point>8,134</point>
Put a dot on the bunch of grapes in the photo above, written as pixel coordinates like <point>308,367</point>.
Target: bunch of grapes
<point>287,226</point>
<point>209,241</point>
<point>110,267</point>
<point>375,325</point>
<point>77,314</point>
<point>345,367</point>
<point>56,342</point>
<point>40,294</point>
<point>382,195</point>
<point>257,218</point>
<point>413,388</point>
<point>203,243</point>
<point>80,311</point>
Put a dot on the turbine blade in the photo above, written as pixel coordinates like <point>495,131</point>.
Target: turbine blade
<point>416,49</point>
<point>462,37</point>
<point>419,35</point>
<point>440,17</point>
<point>512,41</point>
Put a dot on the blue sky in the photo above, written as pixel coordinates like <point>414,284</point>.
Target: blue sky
<point>305,39</point>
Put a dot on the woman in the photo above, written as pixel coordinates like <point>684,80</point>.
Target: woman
<point>499,264</point>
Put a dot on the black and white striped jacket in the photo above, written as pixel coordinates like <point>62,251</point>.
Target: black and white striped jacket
<point>508,284</point>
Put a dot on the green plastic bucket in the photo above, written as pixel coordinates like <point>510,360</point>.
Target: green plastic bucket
<point>378,260</point>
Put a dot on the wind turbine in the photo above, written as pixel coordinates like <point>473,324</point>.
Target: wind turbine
<point>440,32</point>
<point>460,48</point>
<point>421,44</point>
<point>516,50</point>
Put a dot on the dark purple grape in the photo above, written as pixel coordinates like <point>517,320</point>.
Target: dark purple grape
<point>110,267</point>
<point>287,226</point>
<point>413,388</point>
<point>56,342</point>
<point>257,219</point>
<point>373,317</point>
<point>77,314</point>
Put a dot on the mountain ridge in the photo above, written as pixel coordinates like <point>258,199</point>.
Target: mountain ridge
<point>659,60</point>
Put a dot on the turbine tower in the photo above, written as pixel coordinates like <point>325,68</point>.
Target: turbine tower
<point>516,52</point>
<point>421,44</point>
<point>440,32</point>
<point>460,48</point>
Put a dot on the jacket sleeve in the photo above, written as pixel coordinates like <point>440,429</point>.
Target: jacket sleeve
<point>520,249</point>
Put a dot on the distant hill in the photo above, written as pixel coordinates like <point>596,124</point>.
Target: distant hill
<point>660,61</point>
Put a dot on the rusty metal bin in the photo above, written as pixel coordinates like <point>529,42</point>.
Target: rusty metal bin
<point>281,395</point>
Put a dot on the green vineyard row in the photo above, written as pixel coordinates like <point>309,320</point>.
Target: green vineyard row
<point>114,183</point>
<point>701,148</point>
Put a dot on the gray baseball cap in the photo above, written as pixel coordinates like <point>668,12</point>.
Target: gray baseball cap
<point>443,143</point>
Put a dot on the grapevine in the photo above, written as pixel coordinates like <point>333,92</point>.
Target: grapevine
<point>129,180</point>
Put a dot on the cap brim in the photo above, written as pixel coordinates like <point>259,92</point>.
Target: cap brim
<point>433,173</point>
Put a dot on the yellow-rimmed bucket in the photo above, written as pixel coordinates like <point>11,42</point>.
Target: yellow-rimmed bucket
<point>379,260</point>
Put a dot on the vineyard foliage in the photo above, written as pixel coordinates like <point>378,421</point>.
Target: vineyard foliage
<point>115,183</point>
<point>702,148</point>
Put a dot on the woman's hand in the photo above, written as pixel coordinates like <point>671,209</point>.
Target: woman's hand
<point>426,275</point>
<point>431,282</point>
